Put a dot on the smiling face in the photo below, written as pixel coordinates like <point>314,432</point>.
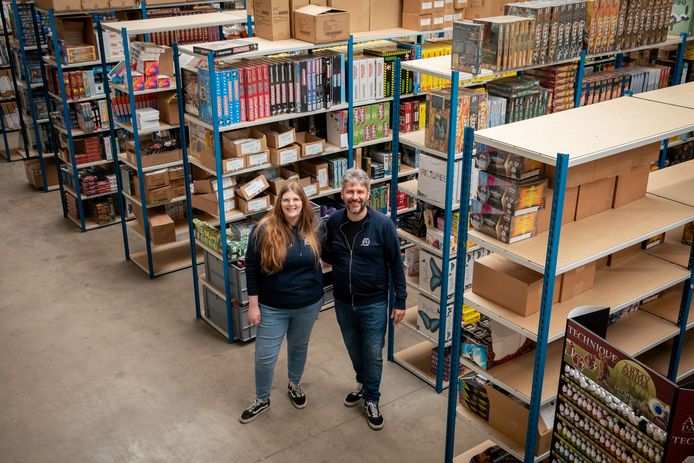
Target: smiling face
<point>291,206</point>
<point>355,196</point>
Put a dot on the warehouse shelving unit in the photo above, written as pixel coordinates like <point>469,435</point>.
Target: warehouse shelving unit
<point>11,65</point>
<point>616,126</point>
<point>157,260</point>
<point>33,141</point>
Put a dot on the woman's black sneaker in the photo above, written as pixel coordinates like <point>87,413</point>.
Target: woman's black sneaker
<point>373,415</point>
<point>354,397</point>
<point>296,394</point>
<point>256,408</point>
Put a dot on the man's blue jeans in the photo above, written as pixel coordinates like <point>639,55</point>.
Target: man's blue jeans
<point>363,330</point>
<point>274,324</point>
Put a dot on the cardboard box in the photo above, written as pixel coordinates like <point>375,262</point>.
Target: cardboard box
<point>32,169</point>
<point>433,173</point>
<point>243,142</point>
<point>510,417</point>
<point>157,179</point>
<point>277,183</point>
<point>418,6</point>
<point>168,108</point>
<point>577,175</point>
<point>209,202</point>
<point>476,9</point>
<point>601,263</point>
<point>321,24</point>
<point>258,159</point>
<point>252,188</point>
<point>594,197</point>
<point>122,3</point>
<point>510,196</point>
<point>430,274</point>
<point>76,39</point>
<point>508,228</point>
<point>176,173</point>
<point>568,211</point>
<point>272,19</point>
<point>385,14</point>
<point>161,227</point>
<point>257,204</point>
<point>358,13</point>
<point>209,185</point>
<point>625,254</point>
<point>522,292</point>
<point>459,4</point>
<point>310,187</point>
<point>95,5</point>
<point>438,20</point>
<point>286,155</point>
<point>295,5</point>
<point>577,281</point>
<point>152,160</point>
<point>59,5</point>
<point>278,135</point>
<point>309,144</point>
<point>631,185</point>
<point>154,196</point>
<point>417,22</point>
<point>318,169</point>
<point>439,6</point>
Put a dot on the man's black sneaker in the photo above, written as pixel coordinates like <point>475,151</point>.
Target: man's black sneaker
<point>373,415</point>
<point>296,394</point>
<point>354,397</point>
<point>256,408</point>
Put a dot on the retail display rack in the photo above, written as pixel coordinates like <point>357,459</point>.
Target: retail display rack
<point>224,298</point>
<point>614,127</point>
<point>156,259</point>
<point>8,62</point>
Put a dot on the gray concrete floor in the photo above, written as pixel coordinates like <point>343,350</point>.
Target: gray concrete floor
<point>100,364</point>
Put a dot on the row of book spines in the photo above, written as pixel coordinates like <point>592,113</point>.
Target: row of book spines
<point>122,111</point>
<point>186,36</point>
<point>527,107</point>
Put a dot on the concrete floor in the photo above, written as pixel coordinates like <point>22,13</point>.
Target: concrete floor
<point>100,364</point>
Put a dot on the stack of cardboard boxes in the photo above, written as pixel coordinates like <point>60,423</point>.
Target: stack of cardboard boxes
<point>85,5</point>
<point>591,188</point>
<point>161,185</point>
<point>424,15</point>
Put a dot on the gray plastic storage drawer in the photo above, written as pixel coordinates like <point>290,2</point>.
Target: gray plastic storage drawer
<point>214,273</point>
<point>216,311</point>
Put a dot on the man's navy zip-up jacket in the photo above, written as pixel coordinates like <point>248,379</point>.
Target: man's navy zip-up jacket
<point>298,284</point>
<point>361,269</point>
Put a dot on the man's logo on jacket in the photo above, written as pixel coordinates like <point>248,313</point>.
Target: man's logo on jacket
<point>365,242</point>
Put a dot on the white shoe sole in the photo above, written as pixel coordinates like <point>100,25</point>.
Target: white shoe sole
<point>295,404</point>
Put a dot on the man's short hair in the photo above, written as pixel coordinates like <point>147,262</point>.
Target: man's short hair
<point>357,176</point>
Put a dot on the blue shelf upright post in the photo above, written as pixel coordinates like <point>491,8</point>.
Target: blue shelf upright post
<point>579,79</point>
<point>448,222</point>
<point>220,193</point>
<point>14,70</point>
<point>136,142</point>
<point>662,159</point>
<point>6,36</point>
<point>350,102</point>
<point>143,11</point>
<point>394,177</point>
<point>249,20</point>
<point>562,169</point>
<point>114,144</point>
<point>186,175</point>
<point>461,258</point>
<point>619,60</point>
<point>30,93</point>
<point>682,320</point>
<point>66,119</point>
<point>679,61</point>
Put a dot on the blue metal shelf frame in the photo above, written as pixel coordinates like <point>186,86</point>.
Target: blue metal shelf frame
<point>14,69</point>
<point>30,93</point>
<point>580,72</point>
<point>465,180</point>
<point>448,215</point>
<point>112,132</point>
<point>350,102</point>
<point>136,142</point>
<point>68,122</point>
<point>682,320</point>
<point>187,176</point>
<point>679,60</point>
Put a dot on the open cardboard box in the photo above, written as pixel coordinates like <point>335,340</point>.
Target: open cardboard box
<point>321,24</point>
<point>278,135</point>
<point>243,142</point>
<point>76,39</point>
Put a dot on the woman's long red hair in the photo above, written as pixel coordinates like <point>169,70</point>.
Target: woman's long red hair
<point>277,233</point>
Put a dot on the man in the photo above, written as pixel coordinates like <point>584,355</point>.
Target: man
<point>364,250</point>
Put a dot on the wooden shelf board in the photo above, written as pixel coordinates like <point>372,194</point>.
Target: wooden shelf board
<point>124,159</point>
<point>90,223</point>
<point>165,259</point>
<point>417,360</point>
<point>678,95</point>
<point>594,237</point>
<point>124,88</point>
<point>416,139</point>
<point>148,26</point>
<point>672,250</point>
<point>419,242</point>
<point>181,227</point>
<point>667,306</point>
<point>501,440</point>
<point>590,132</point>
<point>162,126</point>
<point>675,182</point>
<point>411,188</point>
<point>468,455</point>
<point>659,358</point>
<point>639,332</point>
<point>135,200</point>
<point>615,287</point>
<point>193,160</point>
<point>410,322</point>
<point>265,47</point>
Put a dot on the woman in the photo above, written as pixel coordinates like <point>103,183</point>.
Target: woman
<point>285,292</point>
